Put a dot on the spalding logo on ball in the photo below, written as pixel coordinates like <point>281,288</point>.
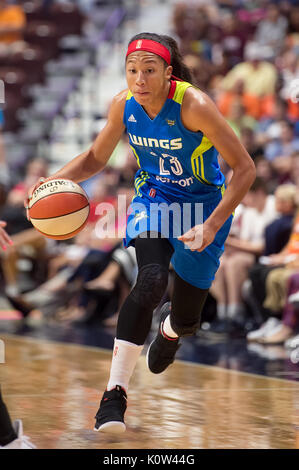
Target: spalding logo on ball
<point>59,209</point>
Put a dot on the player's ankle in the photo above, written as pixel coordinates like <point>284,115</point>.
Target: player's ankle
<point>167,329</point>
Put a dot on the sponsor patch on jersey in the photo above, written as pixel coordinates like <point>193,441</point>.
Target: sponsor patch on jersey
<point>170,122</point>
<point>152,193</point>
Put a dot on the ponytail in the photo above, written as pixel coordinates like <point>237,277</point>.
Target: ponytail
<point>180,70</point>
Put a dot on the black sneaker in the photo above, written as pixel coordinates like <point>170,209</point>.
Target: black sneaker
<point>110,416</point>
<point>161,351</point>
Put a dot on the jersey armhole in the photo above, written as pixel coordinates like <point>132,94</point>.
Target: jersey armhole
<point>181,96</point>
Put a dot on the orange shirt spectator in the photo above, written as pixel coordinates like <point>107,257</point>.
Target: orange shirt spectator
<point>255,106</point>
<point>293,244</point>
<point>12,22</point>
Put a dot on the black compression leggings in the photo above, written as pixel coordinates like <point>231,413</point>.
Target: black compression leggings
<point>135,317</point>
<point>7,433</point>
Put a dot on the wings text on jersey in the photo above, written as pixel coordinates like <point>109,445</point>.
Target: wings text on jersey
<point>172,144</point>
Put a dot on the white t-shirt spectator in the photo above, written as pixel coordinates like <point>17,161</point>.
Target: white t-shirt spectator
<point>254,223</point>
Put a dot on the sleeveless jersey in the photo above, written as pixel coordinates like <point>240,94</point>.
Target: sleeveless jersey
<point>178,162</point>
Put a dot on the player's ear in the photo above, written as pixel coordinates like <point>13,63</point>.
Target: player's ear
<point>168,72</point>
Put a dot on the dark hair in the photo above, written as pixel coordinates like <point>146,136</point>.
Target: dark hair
<point>180,70</point>
<point>259,185</point>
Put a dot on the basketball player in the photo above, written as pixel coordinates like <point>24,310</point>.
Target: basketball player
<point>11,435</point>
<point>174,131</point>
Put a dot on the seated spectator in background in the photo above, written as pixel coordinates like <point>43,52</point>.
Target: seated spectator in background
<point>14,212</point>
<point>233,38</point>
<point>12,24</point>
<point>4,170</point>
<point>247,138</point>
<point>277,235</point>
<point>293,27</point>
<point>35,169</point>
<point>288,65</point>
<point>268,127</point>
<point>286,169</point>
<point>255,78</point>
<point>294,169</point>
<point>284,144</point>
<point>66,295</point>
<point>281,283</point>
<point>265,171</point>
<point>122,272</point>
<point>193,26</point>
<point>201,68</point>
<point>241,251</point>
<point>237,118</point>
<point>21,230</point>
<point>254,106</point>
<point>275,331</point>
<point>271,31</point>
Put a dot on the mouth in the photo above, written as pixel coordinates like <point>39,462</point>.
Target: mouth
<point>141,93</point>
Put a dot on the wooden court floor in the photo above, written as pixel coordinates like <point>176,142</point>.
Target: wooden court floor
<point>55,389</point>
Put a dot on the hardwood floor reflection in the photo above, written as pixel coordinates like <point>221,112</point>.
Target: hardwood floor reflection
<point>55,389</point>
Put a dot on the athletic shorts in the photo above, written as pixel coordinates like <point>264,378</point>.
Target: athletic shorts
<point>153,211</point>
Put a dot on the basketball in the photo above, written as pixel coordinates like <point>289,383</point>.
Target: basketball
<point>59,209</point>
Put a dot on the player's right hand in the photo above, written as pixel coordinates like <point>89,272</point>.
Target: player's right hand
<point>31,191</point>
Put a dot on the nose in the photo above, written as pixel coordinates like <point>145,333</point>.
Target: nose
<point>140,78</point>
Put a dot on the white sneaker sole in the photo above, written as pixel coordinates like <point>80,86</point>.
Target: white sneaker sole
<point>147,355</point>
<point>112,427</point>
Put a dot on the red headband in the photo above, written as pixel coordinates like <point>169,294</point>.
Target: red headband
<point>150,46</point>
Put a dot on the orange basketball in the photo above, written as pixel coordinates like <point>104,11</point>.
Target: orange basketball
<point>59,209</point>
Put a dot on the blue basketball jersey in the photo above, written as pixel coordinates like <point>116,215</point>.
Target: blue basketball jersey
<point>178,162</point>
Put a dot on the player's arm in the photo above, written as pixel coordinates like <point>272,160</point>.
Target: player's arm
<point>200,113</point>
<point>95,159</point>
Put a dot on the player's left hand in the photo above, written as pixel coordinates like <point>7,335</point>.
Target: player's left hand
<point>198,237</point>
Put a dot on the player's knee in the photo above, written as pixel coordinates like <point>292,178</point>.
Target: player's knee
<point>150,285</point>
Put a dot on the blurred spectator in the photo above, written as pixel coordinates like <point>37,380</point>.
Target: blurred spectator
<point>284,144</point>
<point>268,127</point>
<point>14,212</point>
<point>238,119</point>
<point>266,172</point>
<point>12,24</point>
<point>277,235</point>
<point>253,105</point>
<point>67,295</point>
<point>248,139</point>
<point>288,64</point>
<point>258,76</point>
<point>4,170</point>
<point>241,251</point>
<point>254,81</point>
<point>294,169</point>
<point>281,284</point>
<point>233,38</point>
<point>201,68</point>
<point>278,232</point>
<point>293,26</point>
<point>28,242</point>
<point>271,31</point>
